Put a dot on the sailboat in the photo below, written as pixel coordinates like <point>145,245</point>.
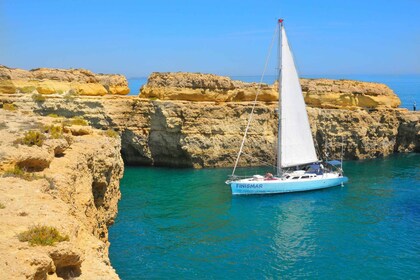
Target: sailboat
<point>298,167</point>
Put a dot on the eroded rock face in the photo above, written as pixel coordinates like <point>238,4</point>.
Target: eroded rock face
<point>321,93</point>
<point>203,87</point>
<point>60,81</point>
<point>347,94</point>
<point>208,134</point>
<point>71,183</point>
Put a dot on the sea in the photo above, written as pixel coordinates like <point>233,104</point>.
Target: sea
<point>185,224</point>
<point>407,87</point>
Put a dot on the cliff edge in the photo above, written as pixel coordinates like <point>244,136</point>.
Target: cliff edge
<point>320,93</point>
<point>162,129</point>
<point>60,81</point>
<point>61,175</point>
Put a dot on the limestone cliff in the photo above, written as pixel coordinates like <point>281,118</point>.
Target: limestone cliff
<point>208,134</point>
<point>60,81</point>
<point>59,173</point>
<point>321,93</point>
<point>347,94</point>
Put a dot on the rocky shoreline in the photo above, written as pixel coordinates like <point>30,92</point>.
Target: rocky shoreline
<point>179,119</point>
<point>58,175</point>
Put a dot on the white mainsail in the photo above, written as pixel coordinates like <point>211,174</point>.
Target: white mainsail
<point>296,143</point>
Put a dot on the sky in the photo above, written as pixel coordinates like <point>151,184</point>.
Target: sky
<point>226,37</point>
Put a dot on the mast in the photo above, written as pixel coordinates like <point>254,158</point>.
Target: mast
<point>279,171</point>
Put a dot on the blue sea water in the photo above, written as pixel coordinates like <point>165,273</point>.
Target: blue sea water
<point>185,224</point>
<point>407,87</point>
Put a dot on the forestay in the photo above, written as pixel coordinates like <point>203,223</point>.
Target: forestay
<point>297,146</point>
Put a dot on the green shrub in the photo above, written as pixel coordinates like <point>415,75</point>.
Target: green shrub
<point>18,172</point>
<point>53,116</point>
<point>111,133</point>
<point>54,131</point>
<point>2,206</point>
<point>9,107</point>
<point>31,138</point>
<point>37,97</point>
<point>42,235</point>
<point>76,121</point>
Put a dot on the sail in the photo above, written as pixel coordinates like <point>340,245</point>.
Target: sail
<point>296,143</point>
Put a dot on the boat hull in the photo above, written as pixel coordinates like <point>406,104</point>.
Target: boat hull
<point>243,187</point>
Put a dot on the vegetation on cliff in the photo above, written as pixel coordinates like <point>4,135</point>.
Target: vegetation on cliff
<point>42,235</point>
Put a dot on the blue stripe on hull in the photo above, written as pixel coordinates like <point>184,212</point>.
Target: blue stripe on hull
<point>264,187</point>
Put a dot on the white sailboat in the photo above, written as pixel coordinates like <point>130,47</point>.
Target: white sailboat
<point>298,167</point>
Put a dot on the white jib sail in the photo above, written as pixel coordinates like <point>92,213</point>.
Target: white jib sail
<point>297,146</point>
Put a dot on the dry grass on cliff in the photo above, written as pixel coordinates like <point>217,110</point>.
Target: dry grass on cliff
<point>2,206</point>
<point>42,235</point>
<point>9,107</point>
<point>55,131</point>
<point>18,172</point>
<point>31,138</point>
<point>111,133</point>
<point>76,121</point>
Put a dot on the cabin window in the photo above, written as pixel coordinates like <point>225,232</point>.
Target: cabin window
<point>305,177</point>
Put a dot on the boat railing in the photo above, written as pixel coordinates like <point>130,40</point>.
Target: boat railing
<point>237,177</point>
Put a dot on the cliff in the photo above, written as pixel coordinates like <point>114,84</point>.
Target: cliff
<point>56,173</point>
<point>208,134</point>
<point>320,93</point>
<point>60,81</point>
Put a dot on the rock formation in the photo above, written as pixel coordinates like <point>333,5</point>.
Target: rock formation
<point>208,134</point>
<point>60,81</point>
<point>66,180</point>
<point>347,94</point>
<point>203,87</point>
<point>320,93</point>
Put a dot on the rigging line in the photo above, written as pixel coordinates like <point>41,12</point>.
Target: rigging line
<point>259,160</point>
<point>255,101</point>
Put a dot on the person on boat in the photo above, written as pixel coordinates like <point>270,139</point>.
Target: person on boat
<point>414,106</point>
<point>268,176</point>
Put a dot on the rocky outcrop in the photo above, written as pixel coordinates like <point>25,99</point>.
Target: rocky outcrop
<point>60,81</point>
<point>203,87</point>
<point>347,94</point>
<point>320,93</point>
<point>204,133</point>
<point>56,178</point>
<point>208,134</point>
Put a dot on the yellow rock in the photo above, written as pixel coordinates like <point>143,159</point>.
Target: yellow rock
<point>322,93</point>
<point>59,81</point>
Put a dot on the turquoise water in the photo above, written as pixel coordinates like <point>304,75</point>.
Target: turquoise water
<point>184,224</point>
<point>407,87</point>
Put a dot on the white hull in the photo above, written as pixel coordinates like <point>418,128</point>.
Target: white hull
<point>282,185</point>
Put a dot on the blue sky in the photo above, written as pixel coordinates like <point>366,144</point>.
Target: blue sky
<point>226,37</point>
